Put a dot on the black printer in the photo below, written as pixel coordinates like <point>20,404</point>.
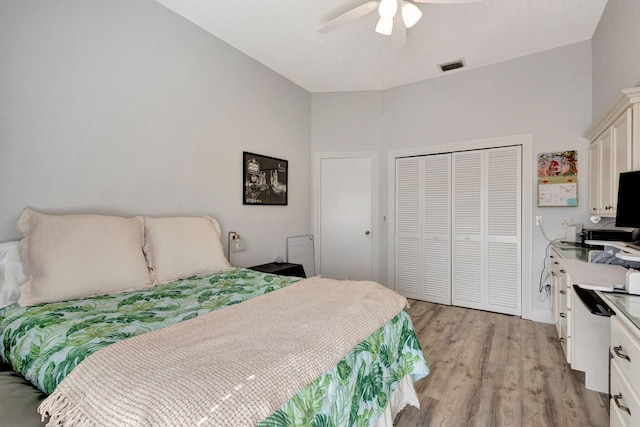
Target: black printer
<point>611,235</point>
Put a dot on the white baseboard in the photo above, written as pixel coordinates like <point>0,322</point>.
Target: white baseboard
<point>543,316</point>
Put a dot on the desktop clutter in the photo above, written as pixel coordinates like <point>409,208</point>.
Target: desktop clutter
<point>616,252</point>
<point>633,282</point>
<point>627,216</point>
<point>617,249</point>
<point>621,246</point>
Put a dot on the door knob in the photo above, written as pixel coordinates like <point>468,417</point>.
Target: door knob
<point>367,232</point>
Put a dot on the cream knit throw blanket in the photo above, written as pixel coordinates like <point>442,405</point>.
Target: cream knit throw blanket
<point>234,366</point>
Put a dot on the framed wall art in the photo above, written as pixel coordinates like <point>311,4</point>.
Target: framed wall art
<point>264,180</point>
<point>558,178</point>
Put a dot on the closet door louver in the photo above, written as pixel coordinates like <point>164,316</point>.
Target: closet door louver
<point>503,230</point>
<point>408,226</point>
<point>436,265</point>
<point>468,227</point>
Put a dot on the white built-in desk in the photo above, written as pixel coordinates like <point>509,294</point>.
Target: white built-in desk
<point>599,277</point>
<point>591,334</point>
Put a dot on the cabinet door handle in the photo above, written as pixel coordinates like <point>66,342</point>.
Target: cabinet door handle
<point>563,292</point>
<point>618,350</point>
<point>563,340</point>
<point>617,399</point>
<point>562,271</point>
<point>563,315</point>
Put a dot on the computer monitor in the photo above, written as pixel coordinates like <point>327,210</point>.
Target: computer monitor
<point>627,211</point>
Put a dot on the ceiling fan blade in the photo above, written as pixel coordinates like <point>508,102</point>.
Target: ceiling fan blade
<point>351,15</point>
<point>446,1</point>
<point>399,35</point>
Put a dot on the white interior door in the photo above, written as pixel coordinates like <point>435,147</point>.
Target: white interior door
<point>345,217</point>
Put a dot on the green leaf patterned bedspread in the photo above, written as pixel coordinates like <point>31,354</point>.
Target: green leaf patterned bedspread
<point>45,342</point>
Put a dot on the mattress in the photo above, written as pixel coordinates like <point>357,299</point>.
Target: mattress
<point>19,400</point>
<point>45,342</point>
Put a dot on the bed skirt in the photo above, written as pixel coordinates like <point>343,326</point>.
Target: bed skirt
<point>403,395</point>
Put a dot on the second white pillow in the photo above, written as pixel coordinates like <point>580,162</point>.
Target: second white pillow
<point>181,247</point>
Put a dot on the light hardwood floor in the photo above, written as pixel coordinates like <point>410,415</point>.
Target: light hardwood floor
<point>490,369</point>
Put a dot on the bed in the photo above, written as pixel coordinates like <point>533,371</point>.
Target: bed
<point>355,375</point>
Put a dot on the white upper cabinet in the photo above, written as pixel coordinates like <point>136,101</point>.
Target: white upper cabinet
<point>614,148</point>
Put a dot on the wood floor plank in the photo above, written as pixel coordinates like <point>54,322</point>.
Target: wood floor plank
<point>489,369</point>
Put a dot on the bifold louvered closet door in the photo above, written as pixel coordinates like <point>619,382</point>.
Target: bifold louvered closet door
<point>458,228</point>
<point>423,233</point>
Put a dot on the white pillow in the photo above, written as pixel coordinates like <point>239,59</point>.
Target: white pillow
<point>11,273</point>
<point>69,257</point>
<point>181,247</point>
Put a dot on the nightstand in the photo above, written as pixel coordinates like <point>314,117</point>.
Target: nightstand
<point>281,268</point>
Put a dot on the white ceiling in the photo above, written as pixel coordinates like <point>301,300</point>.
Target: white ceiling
<point>282,34</point>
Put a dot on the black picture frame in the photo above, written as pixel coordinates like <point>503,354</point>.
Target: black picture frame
<point>264,180</point>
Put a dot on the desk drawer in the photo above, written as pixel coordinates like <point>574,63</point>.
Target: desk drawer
<point>626,352</point>
<point>625,403</point>
<point>564,293</point>
<point>570,292</point>
<point>563,323</point>
<point>564,300</point>
<point>565,342</point>
<point>615,420</point>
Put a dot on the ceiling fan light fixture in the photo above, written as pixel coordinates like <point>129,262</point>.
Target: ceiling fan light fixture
<point>411,14</point>
<point>388,8</point>
<point>385,26</point>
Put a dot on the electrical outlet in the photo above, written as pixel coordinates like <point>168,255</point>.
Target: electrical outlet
<point>538,220</point>
<point>567,220</point>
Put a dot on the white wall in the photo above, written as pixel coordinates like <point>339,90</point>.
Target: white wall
<point>547,94</point>
<point>124,107</point>
<point>616,58</point>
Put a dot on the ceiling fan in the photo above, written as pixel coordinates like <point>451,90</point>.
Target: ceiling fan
<point>391,22</point>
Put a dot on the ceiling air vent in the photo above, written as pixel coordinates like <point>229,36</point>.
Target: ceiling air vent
<point>451,65</point>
